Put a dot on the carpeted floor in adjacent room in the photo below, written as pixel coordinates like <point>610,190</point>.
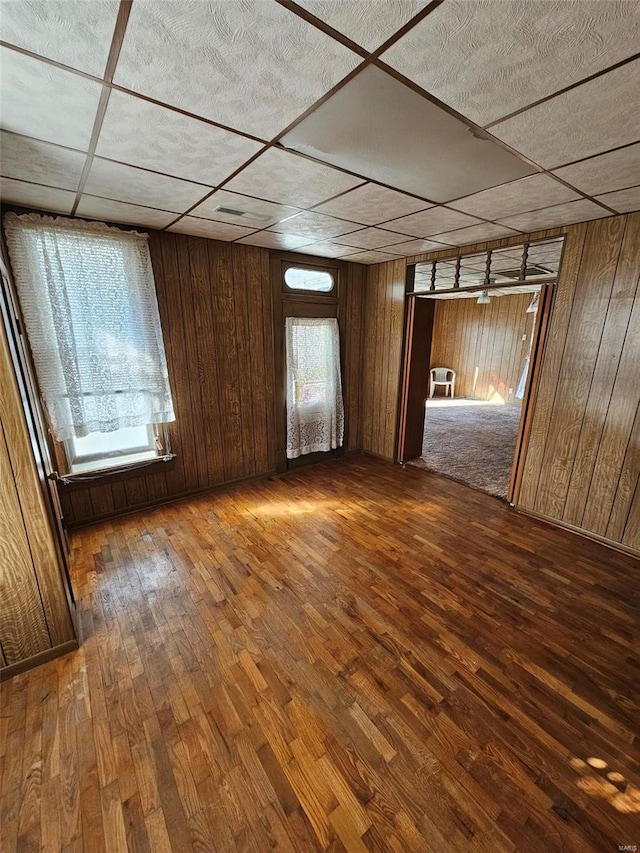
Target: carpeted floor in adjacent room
<point>471,441</point>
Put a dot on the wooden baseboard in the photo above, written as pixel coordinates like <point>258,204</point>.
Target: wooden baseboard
<point>579,531</point>
<point>38,660</point>
<point>378,455</point>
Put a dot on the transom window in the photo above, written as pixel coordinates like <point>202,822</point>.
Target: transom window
<point>300,278</point>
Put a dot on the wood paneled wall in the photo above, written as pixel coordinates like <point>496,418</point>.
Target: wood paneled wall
<point>215,302</point>
<point>583,461</point>
<point>483,344</point>
<point>384,322</point>
<point>582,465</point>
<point>35,616</point>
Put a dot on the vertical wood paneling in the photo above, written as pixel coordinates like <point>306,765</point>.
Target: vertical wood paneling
<point>584,466</point>
<point>351,316</point>
<point>384,319</point>
<point>483,344</point>
<point>593,289</point>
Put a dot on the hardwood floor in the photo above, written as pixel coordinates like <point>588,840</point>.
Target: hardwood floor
<point>352,657</point>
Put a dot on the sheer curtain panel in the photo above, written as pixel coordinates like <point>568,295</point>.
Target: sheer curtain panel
<point>315,411</point>
<point>89,304</point>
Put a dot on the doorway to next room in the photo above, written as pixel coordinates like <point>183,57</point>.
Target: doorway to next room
<point>478,370</point>
<point>474,335</point>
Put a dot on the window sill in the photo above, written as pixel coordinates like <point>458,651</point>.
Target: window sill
<point>84,480</point>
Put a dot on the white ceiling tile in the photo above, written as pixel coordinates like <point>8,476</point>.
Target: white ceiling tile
<point>273,240</point>
<point>30,160</point>
<point>614,170</point>
<point>209,228</point>
<point>475,234</point>
<point>258,212</point>
<point>369,27</point>
<point>553,217</point>
<point>91,207</point>
<point>371,204</point>
<point>371,258</point>
<point>516,197</point>
<point>488,58</point>
<point>288,179</point>
<point>590,119</point>
<point>624,201</point>
<point>315,226</point>
<point>145,134</point>
<point>45,102</point>
<point>35,195</point>
<point>250,65</point>
<point>126,183</point>
<point>326,250</point>
<point>378,127</point>
<point>73,32</point>
<point>416,247</point>
<point>370,238</point>
<point>432,221</point>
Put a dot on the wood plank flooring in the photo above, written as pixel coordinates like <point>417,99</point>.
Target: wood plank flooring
<point>352,657</point>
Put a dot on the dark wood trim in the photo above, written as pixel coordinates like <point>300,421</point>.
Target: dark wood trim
<point>37,660</point>
<point>528,403</point>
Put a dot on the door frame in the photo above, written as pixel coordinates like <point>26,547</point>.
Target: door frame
<point>300,303</point>
<point>419,324</point>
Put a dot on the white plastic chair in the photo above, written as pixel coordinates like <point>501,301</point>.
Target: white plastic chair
<point>440,376</point>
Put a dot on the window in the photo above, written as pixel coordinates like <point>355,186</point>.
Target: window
<point>315,410</point>
<point>88,298</point>
<point>298,278</point>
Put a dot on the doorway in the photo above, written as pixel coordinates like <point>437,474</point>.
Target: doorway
<point>471,361</point>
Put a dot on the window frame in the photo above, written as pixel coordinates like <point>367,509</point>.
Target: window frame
<point>299,294</point>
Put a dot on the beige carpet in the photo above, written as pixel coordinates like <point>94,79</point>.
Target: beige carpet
<point>471,442</point>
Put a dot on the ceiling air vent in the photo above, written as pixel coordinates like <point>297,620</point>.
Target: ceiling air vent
<point>230,211</point>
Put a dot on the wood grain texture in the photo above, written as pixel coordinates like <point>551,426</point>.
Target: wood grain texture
<point>34,609</point>
<point>384,319</point>
<point>583,464</point>
<point>249,681</point>
<point>483,344</point>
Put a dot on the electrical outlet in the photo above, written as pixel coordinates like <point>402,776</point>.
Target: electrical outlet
<point>524,337</point>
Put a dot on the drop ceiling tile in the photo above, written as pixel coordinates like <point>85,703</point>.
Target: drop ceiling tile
<point>624,201</point>
<point>208,228</point>
<point>258,212</point>
<point>377,127</point>
<point>488,58</point>
<point>91,207</point>
<point>516,197</point>
<point>126,183</point>
<point>475,234</point>
<point>252,66</point>
<point>432,221</point>
<point>288,179</point>
<point>370,238</point>
<point>30,160</point>
<point>326,250</point>
<point>605,173</point>
<point>145,134</point>
<point>415,247</point>
<point>590,119</point>
<point>75,32</point>
<point>553,217</point>
<point>358,21</point>
<point>371,204</point>
<point>371,258</point>
<point>35,195</point>
<point>45,102</point>
<point>273,240</point>
<point>315,226</point>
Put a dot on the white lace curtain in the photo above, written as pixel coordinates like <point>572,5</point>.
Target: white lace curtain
<point>89,304</point>
<point>315,411</point>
